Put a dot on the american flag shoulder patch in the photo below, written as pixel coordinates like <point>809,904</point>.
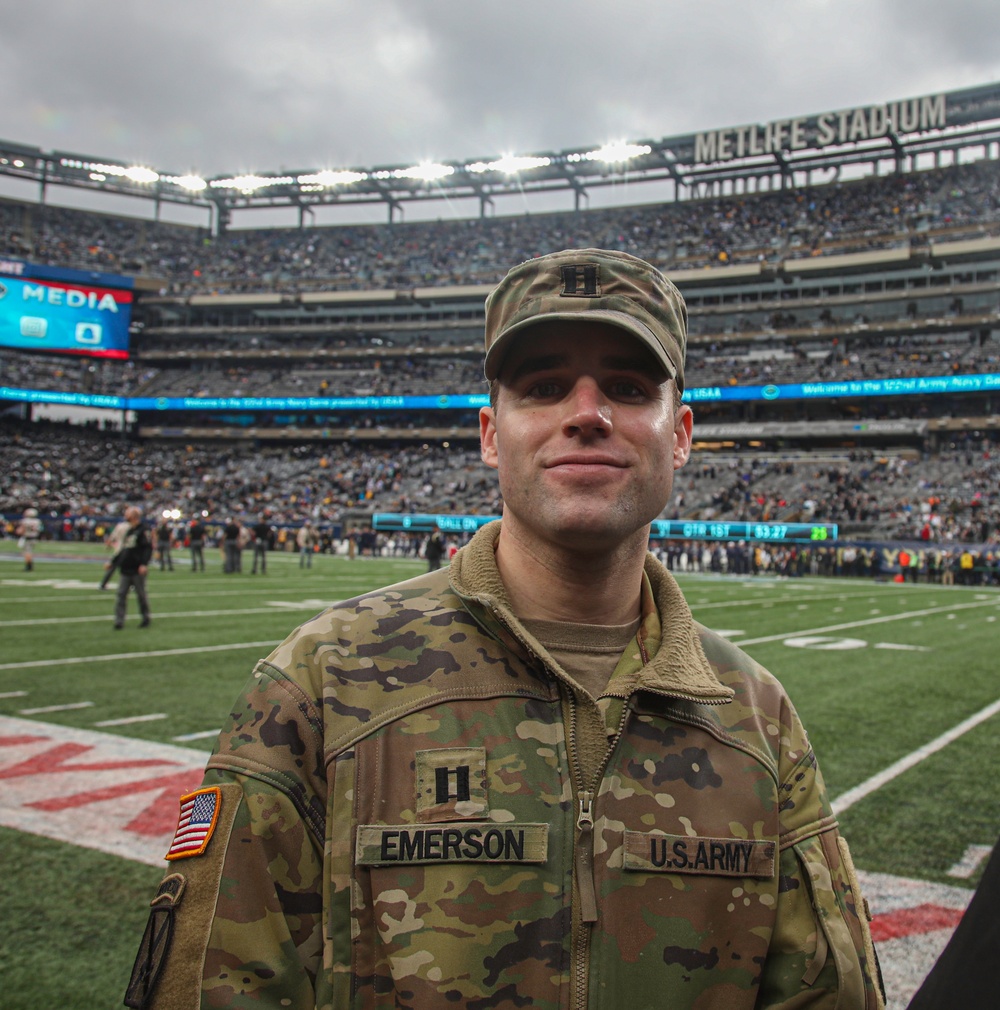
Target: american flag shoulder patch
<point>198,817</point>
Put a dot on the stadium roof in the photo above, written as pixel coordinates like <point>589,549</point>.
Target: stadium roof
<point>694,163</point>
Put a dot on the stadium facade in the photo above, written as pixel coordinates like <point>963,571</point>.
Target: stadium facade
<point>842,273</point>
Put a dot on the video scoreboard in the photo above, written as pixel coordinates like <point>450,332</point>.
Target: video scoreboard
<point>64,311</point>
<point>796,533</point>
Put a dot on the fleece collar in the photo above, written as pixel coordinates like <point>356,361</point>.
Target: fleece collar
<point>679,667</point>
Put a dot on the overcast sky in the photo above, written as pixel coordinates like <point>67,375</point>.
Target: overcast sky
<point>238,86</point>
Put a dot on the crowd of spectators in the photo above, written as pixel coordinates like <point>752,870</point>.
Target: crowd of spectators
<point>875,212</point>
<point>952,496</point>
<point>711,364</point>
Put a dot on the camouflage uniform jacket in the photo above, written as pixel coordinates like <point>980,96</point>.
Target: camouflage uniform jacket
<point>419,809</point>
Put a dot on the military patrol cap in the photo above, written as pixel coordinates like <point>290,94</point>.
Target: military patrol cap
<point>600,285</point>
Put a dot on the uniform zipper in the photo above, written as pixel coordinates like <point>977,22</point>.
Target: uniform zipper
<point>584,857</point>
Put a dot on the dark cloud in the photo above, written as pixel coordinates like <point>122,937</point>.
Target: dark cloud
<point>220,87</point>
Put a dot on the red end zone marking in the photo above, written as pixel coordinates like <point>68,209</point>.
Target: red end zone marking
<point>913,922</point>
<point>156,819</point>
<point>105,792</point>
<point>54,760</point>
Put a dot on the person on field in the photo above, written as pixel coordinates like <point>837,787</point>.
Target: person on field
<point>306,540</point>
<point>434,550</point>
<point>29,531</point>
<point>196,544</point>
<point>232,553</point>
<point>263,540</point>
<point>164,545</point>
<point>132,562</point>
<point>531,778</point>
<point>114,543</point>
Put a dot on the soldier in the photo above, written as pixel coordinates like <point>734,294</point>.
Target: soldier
<point>529,779</point>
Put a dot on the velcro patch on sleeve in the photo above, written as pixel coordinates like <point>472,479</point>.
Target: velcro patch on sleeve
<point>199,814</point>
<point>460,842</point>
<point>155,942</point>
<point>723,857</point>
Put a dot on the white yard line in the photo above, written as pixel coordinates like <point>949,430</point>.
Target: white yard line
<point>908,615</point>
<point>970,862</point>
<point>275,608</point>
<point>128,720</point>
<point>57,708</point>
<point>866,788</point>
<point>270,644</point>
<point>758,601</point>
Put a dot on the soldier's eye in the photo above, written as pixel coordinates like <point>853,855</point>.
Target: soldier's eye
<point>626,389</point>
<point>544,390</point>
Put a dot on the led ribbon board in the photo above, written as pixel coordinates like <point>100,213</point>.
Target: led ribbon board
<point>662,529</point>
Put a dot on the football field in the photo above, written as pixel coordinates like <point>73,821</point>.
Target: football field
<point>898,685</point>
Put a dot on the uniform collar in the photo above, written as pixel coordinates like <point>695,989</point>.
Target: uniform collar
<point>679,667</point>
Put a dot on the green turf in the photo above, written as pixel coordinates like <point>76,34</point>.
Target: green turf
<point>72,917</point>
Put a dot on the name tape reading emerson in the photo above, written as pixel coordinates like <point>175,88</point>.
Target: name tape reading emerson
<point>384,844</point>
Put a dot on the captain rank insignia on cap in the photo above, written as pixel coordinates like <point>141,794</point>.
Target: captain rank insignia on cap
<point>581,280</point>
<point>198,817</point>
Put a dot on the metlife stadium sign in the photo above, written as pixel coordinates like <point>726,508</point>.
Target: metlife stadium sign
<point>848,126</point>
<point>64,311</point>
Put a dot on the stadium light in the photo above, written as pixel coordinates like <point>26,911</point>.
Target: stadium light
<point>137,173</point>
<point>509,164</point>
<point>426,171</point>
<point>328,178</point>
<point>193,183</point>
<point>619,150</point>
<point>251,183</point>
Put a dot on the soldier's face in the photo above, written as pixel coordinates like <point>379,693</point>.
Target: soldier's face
<point>584,436</point>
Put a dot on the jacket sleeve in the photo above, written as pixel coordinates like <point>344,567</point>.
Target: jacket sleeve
<point>145,547</point>
<point>246,929</point>
<point>821,954</point>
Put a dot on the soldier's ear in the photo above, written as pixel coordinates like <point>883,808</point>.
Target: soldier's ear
<point>488,437</point>
<point>683,428</point>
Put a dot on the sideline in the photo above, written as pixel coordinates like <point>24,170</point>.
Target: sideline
<point>847,800</point>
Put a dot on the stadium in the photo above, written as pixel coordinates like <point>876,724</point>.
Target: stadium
<point>842,278</point>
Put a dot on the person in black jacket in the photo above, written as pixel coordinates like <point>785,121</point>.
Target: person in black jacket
<point>196,541</point>
<point>964,975</point>
<point>262,535</point>
<point>434,550</point>
<point>132,560</point>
